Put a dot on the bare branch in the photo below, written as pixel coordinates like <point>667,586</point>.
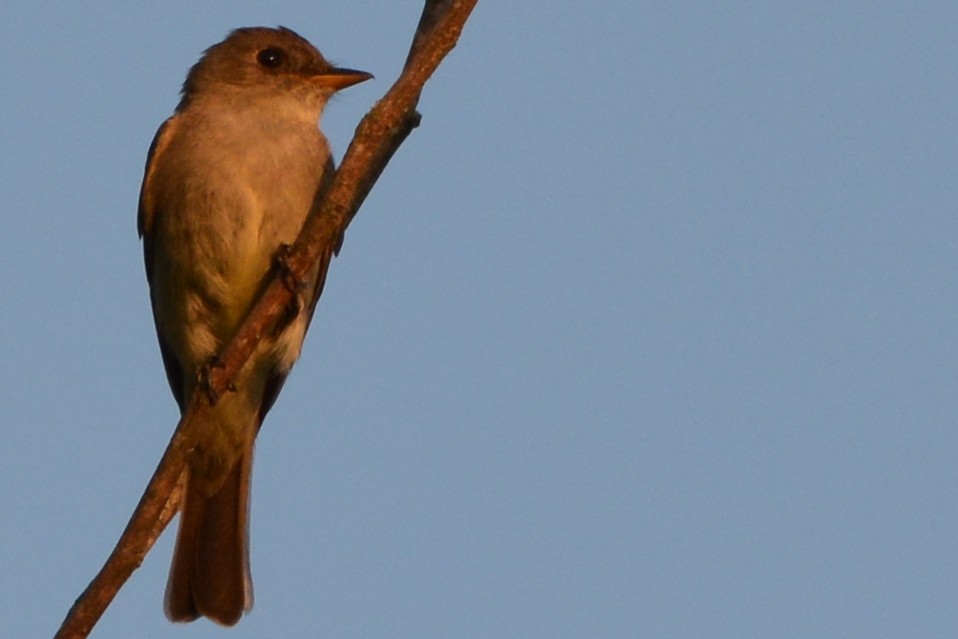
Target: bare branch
<point>377,138</point>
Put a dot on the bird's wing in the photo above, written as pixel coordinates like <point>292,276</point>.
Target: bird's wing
<point>145,222</point>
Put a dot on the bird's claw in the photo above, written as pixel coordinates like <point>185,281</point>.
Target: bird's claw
<point>293,284</point>
<point>206,380</point>
<point>285,269</point>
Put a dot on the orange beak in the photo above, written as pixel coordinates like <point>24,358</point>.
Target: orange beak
<point>342,78</point>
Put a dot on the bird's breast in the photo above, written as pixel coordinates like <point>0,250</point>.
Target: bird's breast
<point>238,189</point>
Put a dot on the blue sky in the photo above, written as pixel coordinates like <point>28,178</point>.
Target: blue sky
<point>647,331</point>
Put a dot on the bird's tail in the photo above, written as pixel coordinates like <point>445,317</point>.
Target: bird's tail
<point>210,574</point>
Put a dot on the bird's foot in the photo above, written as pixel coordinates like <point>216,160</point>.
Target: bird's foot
<point>285,270</point>
<point>293,284</point>
<point>205,376</point>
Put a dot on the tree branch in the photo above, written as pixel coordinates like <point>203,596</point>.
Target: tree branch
<point>377,138</point>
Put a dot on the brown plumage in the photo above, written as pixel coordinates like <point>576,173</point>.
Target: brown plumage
<point>230,178</point>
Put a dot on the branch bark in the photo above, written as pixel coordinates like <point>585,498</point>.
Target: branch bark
<point>377,138</point>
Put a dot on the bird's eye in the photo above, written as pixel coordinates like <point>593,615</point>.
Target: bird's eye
<point>271,57</point>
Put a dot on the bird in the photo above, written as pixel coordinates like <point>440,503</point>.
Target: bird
<point>229,180</point>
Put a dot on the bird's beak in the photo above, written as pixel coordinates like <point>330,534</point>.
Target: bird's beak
<point>341,78</point>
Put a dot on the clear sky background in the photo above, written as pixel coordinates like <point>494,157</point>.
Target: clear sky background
<point>647,331</point>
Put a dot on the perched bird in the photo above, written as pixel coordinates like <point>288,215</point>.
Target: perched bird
<point>229,180</point>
